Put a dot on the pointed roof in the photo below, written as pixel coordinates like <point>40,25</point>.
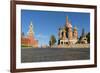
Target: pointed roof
<point>64,29</point>
<point>68,24</point>
<point>75,28</point>
<point>66,19</point>
<point>31,29</point>
<point>31,25</point>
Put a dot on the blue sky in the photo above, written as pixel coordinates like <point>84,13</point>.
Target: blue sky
<point>47,23</point>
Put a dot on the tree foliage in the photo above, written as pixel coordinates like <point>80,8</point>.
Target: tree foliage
<point>88,37</point>
<point>52,40</point>
<point>82,32</point>
<point>82,35</point>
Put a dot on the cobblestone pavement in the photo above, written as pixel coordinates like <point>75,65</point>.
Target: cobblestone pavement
<point>54,54</point>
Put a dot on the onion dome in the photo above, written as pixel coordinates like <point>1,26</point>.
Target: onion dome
<point>75,28</point>
<point>69,25</point>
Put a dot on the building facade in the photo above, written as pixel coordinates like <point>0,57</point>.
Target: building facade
<point>29,40</point>
<point>67,35</point>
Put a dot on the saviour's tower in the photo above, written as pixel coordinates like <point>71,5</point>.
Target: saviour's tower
<point>30,32</point>
<point>31,37</point>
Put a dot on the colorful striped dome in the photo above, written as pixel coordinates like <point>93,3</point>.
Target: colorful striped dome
<point>69,25</point>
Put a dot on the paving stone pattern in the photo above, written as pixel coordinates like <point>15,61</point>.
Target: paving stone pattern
<point>54,54</point>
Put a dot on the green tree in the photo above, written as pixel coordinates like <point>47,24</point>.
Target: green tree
<point>52,40</point>
<point>82,35</point>
<point>88,37</point>
<point>82,32</point>
<point>49,43</point>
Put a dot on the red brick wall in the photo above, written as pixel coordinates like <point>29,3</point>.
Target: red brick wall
<point>29,41</point>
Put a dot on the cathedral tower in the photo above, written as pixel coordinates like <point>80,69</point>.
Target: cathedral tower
<point>60,33</point>
<point>75,33</point>
<point>69,28</point>
<point>64,34</point>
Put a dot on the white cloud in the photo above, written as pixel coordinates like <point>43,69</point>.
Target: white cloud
<point>41,36</point>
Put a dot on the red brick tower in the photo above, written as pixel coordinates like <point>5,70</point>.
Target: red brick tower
<point>32,41</point>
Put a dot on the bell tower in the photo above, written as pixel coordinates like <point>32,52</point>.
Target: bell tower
<point>69,28</point>
<point>31,32</point>
<point>67,22</point>
<point>70,32</point>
